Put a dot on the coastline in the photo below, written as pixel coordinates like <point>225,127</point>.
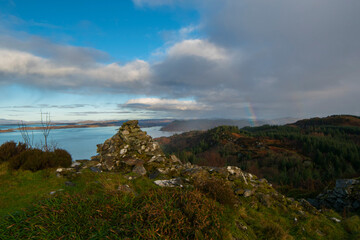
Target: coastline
<point>93,124</point>
<point>59,127</point>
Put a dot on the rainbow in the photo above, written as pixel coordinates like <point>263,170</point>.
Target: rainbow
<point>252,115</point>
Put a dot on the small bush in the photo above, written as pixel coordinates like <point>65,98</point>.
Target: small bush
<point>31,155</point>
<point>217,189</point>
<point>10,149</point>
<point>62,158</point>
<point>36,159</point>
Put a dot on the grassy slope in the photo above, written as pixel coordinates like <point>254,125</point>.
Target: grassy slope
<point>94,209</point>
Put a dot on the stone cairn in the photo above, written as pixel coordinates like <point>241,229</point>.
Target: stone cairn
<point>132,150</point>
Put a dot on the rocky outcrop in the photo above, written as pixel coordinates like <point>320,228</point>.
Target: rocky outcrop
<point>344,196</point>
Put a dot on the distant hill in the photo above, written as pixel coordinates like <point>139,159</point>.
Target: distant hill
<point>281,121</point>
<point>206,124</point>
<point>8,121</point>
<point>335,120</point>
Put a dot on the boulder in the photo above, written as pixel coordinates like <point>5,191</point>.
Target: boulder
<point>140,170</point>
<point>344,196</point>
<point>175,182</point>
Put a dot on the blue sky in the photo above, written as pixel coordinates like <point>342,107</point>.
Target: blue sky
<point>119,28</point>
<point>99,60</point>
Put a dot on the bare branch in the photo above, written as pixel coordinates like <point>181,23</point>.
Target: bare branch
<point>46,128</point>
<point>29,141</point>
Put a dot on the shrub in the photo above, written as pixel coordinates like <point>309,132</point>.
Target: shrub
<point>31,156</point>
<point>36,159</point>
<point>217,189</point>
<point>61,158</point>
<point>10,149</point>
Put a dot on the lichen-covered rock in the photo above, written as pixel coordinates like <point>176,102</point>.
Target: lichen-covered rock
<point>175,182</point>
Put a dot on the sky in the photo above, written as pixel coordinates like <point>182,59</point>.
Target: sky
<point>145,59</point>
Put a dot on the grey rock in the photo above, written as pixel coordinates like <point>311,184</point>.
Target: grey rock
<point>175,182</point>
<point>70,184</point>
<point>175,159</point>
<point>75,164</point>
<point>133,161</point>
<point>95,169</point>
<point>343,183</point>
<point>154,174</point>
<point>247,193</point>
<point>345,195</point>
<point>335,219</point>
<point>139,169</point>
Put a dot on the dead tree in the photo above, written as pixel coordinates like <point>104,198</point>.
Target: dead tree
<point>46,128</point>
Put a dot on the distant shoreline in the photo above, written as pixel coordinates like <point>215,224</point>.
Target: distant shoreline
<point>58,127</point>
<point>143,123</point>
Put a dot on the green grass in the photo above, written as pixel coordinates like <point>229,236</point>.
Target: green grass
<point>19,189</point>
<point>158,214</point>
<point>95,209</point>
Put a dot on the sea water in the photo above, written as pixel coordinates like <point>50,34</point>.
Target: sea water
<point>79,142</point>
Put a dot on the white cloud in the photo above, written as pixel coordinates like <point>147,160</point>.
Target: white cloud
<point>24,67</point>
<point>158,104</point>
<point>198,48</point>
<point>137,70</point>
<point>25,64</point>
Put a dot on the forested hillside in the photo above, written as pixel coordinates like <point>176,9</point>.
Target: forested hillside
<point>300,159</point>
